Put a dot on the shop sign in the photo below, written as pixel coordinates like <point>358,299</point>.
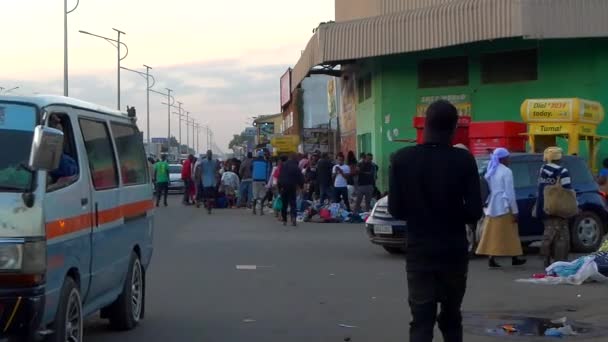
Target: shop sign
<point>554,110</point>
<point>288,143</point>
<point>315,139</point>
<point>462,102</point>
<point>286,88</point>
<point>588,130</point>
<point>266,131</point>
<point>331,98</point>
<point>591,112</point>
<point>549,129</point>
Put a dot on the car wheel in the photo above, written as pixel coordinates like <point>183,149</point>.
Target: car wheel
<point>394,250</point>
<point>586,232</point>
<point>126,312</point>
<point>68,324</point>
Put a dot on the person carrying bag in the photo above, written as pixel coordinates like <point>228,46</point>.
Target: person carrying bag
<point>556,203</point>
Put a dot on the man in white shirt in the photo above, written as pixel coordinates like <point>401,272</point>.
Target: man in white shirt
<point>340,173</point>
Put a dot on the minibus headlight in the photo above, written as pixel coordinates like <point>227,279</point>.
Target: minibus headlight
<point>11,256</point>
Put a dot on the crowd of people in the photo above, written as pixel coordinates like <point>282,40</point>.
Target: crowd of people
<point>259,179</point>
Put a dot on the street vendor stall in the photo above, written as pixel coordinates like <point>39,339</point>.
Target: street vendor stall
<point>573,119</point>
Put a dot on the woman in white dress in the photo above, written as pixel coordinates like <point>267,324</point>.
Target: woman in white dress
<point>500,235</point>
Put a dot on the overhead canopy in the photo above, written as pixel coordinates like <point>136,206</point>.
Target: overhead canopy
<point>452,23</point>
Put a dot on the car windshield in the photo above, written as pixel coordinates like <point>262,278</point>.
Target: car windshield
<point>175,169</point>
<point>16,132</point>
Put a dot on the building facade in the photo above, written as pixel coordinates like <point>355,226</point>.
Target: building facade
<point>486,56</point>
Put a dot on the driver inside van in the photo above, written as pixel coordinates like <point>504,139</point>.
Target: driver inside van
<point>68,167</point>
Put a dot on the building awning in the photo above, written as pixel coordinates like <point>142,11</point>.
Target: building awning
<point>448,24</point>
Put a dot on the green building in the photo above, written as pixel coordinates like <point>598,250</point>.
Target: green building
<point>486,56</point>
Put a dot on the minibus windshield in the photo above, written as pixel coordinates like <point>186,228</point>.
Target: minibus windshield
<point>17,124</point>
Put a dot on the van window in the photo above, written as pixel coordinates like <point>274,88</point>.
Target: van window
<point>100,153</point>
<point>131,155</point>
<point>68,171</point>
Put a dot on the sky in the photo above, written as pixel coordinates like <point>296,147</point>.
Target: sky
<point>223,59</point>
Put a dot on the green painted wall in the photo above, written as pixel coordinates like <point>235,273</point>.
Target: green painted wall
<point>567,68</point>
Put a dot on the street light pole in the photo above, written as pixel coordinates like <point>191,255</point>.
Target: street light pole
<point>118,67</point>
<point>65,44</point>
<point>149,86</point>
<point>169,120</point>
<point>116,43</point>
<point>179,146</point>
<point>187,131</point>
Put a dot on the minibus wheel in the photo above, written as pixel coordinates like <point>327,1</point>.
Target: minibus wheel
<point>126,312</point>
<point>68,325</point>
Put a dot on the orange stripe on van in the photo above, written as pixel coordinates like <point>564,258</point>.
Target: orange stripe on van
<point>68,225</point>
<point>74,224</point>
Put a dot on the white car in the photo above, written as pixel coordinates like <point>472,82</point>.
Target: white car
<point>176,184</point>
<point>391,234</point>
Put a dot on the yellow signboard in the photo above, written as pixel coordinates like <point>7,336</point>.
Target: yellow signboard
<point>549,129</point>
<point>572,110</point>
<point>591,112</point>
<point>462,102</point>
<point>587,130</point>
<point>547,110</point>
<point>285,144</point>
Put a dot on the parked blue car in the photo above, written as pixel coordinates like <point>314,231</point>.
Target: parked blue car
<point>587,228</point>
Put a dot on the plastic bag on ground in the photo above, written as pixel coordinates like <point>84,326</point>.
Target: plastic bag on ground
<point>588,271</point>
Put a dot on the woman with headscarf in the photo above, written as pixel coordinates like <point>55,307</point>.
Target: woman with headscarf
<point>556,238</point>
<point>500,233</point>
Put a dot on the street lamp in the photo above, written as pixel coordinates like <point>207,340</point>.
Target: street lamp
<point>65,43</point>
<point>170,101</point>
<point>149,86</point>
<point>116,43</point>
<point>180,115</point>
<point>8,90</point>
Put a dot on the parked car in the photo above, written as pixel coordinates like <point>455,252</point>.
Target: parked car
<point>586,229</point>
<point>176,184</point>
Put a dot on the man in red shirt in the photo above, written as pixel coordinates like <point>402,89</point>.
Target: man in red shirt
<point>187,178</point>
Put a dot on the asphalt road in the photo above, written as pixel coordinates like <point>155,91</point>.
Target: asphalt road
<point>309,280</point>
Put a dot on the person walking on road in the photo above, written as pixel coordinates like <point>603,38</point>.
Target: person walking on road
<point>500,235</point>
<point>324,178</point>
<point>290,180</point>
<point>260,174</point>
<point>341,173</point>
<point>556,237</point>
<point>245,189</point>
<point>435,188</point>
<point>161,179</point>
<point>207,179</point>
<point>366,184</point>
<point>187,178</point>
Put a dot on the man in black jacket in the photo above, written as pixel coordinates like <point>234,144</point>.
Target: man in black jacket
<point>325,178</point>
<point>435,188</point>
<point>290,180</point>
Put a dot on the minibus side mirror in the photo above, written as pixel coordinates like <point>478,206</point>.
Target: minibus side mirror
<point>47,148</point>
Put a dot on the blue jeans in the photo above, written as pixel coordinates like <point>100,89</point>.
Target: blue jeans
<point>245,192</point>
